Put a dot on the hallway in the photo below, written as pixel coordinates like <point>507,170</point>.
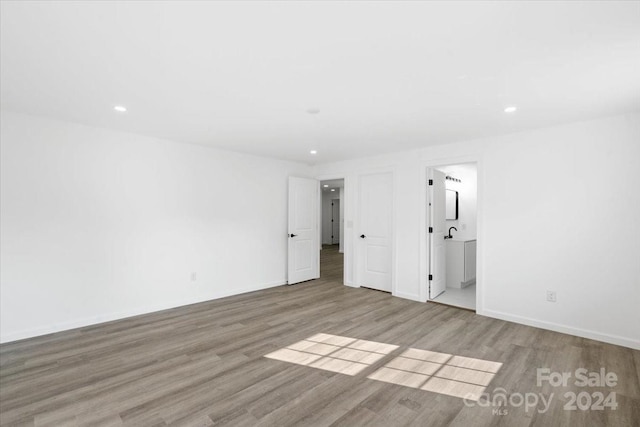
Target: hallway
<point>331,264</point>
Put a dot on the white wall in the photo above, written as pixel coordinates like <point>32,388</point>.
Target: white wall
<point>467,198</point>
<point>99,225</point>
<point>558,209</point>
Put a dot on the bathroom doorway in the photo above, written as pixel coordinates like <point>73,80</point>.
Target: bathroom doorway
<point>452,228</point>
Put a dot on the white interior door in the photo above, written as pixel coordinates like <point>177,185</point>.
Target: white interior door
<point>303,250</point>
<point>437,231</point>
<point>375,212</point>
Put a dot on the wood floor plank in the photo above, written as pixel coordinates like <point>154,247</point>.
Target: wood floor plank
<point>204,364</point>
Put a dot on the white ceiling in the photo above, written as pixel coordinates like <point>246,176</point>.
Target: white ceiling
<point>386,76</point>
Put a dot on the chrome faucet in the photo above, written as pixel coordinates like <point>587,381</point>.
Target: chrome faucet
<point>450,236</point>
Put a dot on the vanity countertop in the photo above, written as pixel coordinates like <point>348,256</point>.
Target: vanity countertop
<point>456,239</point>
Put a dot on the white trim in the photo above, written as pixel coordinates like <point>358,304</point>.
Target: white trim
<point>89,321</point>
<point>556,327</point>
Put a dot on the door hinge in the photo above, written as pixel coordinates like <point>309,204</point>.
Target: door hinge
<point>430,182</point>
<point>430,229</point>
<point>430,277</point>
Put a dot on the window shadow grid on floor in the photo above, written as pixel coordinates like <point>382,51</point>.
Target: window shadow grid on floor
<point>302,353</point>
<point>463,382</point>
<point>353,357</point>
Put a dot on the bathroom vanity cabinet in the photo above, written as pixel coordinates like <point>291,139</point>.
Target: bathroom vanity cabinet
<point>461,263</point>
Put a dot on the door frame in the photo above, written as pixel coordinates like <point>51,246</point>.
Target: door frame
<point>424,218</point>
<point>351,217</point>
<point>347,237</point>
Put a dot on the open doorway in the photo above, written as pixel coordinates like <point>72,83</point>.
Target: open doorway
<point>452,225</point>
<point>332,230</point>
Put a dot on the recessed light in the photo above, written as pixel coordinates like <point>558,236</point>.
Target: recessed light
<point>120,109</point>
<point>511,109</point>
<point>326,185</point>
<point>313,152</point>
<point>333,189</point>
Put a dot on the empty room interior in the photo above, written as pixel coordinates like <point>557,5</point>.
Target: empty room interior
<point>345,213</point>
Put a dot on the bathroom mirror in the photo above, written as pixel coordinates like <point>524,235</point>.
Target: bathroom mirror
<point>452,205</point>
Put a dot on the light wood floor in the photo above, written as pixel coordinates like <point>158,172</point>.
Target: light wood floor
<point>204,364</point>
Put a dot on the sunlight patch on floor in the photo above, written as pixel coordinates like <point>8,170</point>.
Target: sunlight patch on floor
<point>443,373</point>
<point>334,353</point>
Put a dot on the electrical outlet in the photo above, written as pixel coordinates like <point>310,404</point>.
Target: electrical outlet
<point>551,296</point>
<point>194,276</point>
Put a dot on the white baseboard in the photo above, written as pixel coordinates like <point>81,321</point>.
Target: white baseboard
<point>584,333</point>
<point>80,323</point>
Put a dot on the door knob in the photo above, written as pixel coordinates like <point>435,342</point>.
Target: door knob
<point>292,235</point>
<point>362,236</point>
